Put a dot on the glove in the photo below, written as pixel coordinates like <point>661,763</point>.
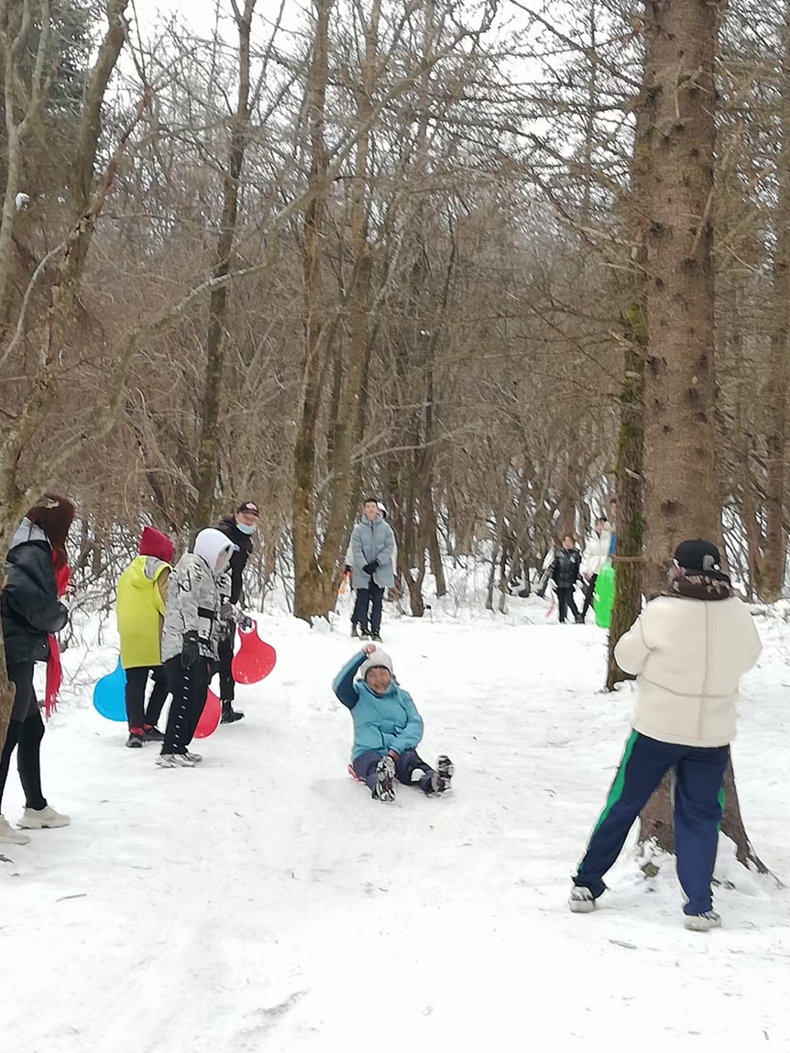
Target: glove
<point>245,622</point>
<point>372,567</point>
<point>190,651</point>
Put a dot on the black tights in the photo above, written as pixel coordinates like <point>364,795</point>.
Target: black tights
<point>26,730</point>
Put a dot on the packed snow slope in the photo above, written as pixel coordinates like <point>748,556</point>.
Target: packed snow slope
<point>263,902</point>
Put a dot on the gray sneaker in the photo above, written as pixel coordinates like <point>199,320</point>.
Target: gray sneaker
<point>174,760</point>
<point>581,900</point>
<point>702,922</point>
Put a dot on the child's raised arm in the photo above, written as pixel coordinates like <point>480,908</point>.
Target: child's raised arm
<point>343,684</point>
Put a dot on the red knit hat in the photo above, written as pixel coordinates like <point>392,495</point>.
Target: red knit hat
<point>155,543</point>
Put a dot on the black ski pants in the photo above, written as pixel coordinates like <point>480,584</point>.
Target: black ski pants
<point>138,714</point>
<point>224,666</point>
<point>589,593</point>
<point>188,686</point>
<point>25,731</point>
<point>369,606</point>
<point>565,601</point>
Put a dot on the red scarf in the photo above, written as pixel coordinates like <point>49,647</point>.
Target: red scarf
<point>54,667</point>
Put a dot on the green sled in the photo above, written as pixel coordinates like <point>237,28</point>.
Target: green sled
<point>603,597</point>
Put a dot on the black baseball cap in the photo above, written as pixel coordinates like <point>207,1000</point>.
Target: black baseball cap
<point>698,555</point>
<point>249,507</point>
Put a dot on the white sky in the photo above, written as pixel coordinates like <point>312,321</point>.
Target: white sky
<point>200,15</point>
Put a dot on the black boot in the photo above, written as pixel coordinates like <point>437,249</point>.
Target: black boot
<point>229,714</point>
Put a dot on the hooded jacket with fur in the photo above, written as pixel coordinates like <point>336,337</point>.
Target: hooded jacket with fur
<point>194,598</point>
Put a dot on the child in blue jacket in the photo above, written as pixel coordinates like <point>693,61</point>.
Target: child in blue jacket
<point>387,728</point>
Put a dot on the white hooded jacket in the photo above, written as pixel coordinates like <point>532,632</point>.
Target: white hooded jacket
<point>688,656</point>
<point>194,597</point>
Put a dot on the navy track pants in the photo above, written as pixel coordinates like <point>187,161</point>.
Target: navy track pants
<point>698,802</point>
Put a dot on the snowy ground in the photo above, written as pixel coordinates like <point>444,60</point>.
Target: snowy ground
<point>264,903</point>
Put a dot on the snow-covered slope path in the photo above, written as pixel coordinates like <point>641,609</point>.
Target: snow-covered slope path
<point>264,903</point>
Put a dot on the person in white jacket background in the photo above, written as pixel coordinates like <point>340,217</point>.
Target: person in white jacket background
<point>597,549</point>
<point>688,650</point>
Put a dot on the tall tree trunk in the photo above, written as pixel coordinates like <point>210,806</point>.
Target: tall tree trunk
<point>218,305</point>
<point>317,574</point>
<point>307,595</point>
<point>629,469</point>
<point>681,493</point>
<point>630,511</point>
<point>774,563</point>
<point>681,498</point>
<point>15,495</point>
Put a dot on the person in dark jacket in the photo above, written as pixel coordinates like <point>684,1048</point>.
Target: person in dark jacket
<point>31,612</point>
<point>565,574</point>
<point>239,528</point>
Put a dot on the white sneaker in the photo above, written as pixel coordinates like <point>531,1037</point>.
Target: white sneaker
<point>702,922</point>
<point>174,760</point>
<point>42,819</point>
<point>9,836</point>
<point>196,757</point>
<point>581,900</point>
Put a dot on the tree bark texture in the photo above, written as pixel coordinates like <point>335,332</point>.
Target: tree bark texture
<point>15,495</point>
<point>680,99</point>
<point>218,305</point>
<point>317,572</point>
<point>775,560</point>
<point>630,464</point>
<point>630,492</point>
<point>307,591</point>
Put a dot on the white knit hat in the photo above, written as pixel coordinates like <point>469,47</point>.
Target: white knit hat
<point>379,659</point>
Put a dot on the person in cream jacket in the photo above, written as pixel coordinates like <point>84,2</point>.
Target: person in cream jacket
<point>688,651</point>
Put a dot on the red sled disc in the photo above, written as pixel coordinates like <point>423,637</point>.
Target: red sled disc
<point>254,659</point>
<point>209,718</point>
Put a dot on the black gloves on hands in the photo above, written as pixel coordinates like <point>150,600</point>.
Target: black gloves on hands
<point>190,651</point>
<point>245,622</point>
<point>372,567</point>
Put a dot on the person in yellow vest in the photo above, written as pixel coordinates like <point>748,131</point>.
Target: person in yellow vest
<point>140,610</point>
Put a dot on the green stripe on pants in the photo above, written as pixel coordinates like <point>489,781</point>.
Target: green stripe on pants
<point>616,792</point>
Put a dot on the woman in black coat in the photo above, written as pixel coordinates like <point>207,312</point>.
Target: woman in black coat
<point>31,611</point>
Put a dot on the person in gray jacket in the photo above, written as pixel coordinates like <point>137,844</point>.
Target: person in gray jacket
<point>195,615</point>
<point>372,568</point>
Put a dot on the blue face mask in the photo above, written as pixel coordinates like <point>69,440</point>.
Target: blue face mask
<point>245,529</point>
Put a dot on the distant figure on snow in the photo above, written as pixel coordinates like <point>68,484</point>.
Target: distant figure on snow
<point>387,729</point>
<point>140,610</point>
<point>565,573</point>
<point>36,574</point>
<point>597,550</point>
<point>372,569</point>
<point>688,649</point>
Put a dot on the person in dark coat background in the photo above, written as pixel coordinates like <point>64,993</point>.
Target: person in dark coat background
<point>565,574</point>
<point>31,612</point>
<point>239,528</point>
